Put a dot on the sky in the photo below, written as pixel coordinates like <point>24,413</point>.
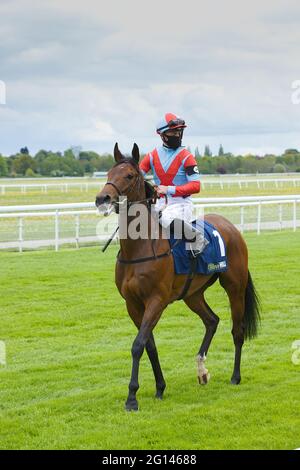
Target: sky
<point>93,73</point>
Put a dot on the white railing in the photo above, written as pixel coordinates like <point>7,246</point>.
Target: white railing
<point>76,223</point>
<point>45,187</point>
<point>245,182</point>
<point>206,181</point>
<point>257,202</point>
<point>45,207</point>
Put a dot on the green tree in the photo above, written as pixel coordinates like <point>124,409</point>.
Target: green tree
<point>278,168</point>
<point>88,155</point>
<point>104,163</point>
<point>205,165</point>
<point>3,166</point>
<point>249,164</point>
<point>197,152</point>
<point>291,151</point>
<point>22,163</point>
<point>221,151</point>
<point>265,164</point>
<point>41,155</point>
<point>47,162</point>
<point>30,173</point>
<point>69,154</point>
<point>88,161</point>
<point>290,160</point>
<point>207,152</point>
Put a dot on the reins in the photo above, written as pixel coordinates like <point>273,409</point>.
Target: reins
<point>142,260</point>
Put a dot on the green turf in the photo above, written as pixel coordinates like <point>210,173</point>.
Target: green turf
<point>68,340</point>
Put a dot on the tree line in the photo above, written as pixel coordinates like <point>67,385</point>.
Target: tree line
<point>55,164</point>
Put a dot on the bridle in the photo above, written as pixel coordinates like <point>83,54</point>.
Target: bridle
<point>114,186</point>
<point>132,187</point>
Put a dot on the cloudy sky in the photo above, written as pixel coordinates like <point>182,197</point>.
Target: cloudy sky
<point>95,72</point>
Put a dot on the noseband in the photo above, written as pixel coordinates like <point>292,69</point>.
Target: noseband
<point>114,186</point>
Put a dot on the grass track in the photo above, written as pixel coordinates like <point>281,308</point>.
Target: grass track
<point>68,340</point>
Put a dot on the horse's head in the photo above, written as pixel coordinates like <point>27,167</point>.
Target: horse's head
<point>124,179</point>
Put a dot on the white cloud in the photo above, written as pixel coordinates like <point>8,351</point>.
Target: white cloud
<point>100,71</point>
<point>98,132</point>
<point>39,55</point>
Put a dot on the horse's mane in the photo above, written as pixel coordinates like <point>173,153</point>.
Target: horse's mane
<point>149,188</point>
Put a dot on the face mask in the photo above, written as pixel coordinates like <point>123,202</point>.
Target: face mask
<point>173,141</point>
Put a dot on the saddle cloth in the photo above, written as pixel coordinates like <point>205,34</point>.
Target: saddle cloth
<point>212,260</point>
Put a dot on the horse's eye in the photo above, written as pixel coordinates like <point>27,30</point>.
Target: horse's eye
<point>129,177</point>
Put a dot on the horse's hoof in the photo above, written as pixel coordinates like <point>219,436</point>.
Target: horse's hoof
<point>159,395</point>
<point>131,405</point>
<point>204,379</point>
<point>160,392</point>
<point>235,380</point>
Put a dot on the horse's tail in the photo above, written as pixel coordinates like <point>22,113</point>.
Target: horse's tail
<point>252,310</point>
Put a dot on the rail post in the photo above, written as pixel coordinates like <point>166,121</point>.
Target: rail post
<point>20,223</point>
<point>77,228</point>
<point>242,218</point>
<point>258,217</point>
<point>56,230</point>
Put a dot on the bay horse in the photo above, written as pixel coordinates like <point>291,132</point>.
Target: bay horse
<point>146,279</point>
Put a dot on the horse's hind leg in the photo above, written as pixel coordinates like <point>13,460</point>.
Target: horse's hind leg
<point>198,304</point>
<point>237,302</point>
<point>236,294</point>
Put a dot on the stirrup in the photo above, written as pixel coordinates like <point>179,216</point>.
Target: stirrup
<point>196,252</point>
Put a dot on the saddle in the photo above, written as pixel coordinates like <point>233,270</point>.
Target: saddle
<point>212,260</point>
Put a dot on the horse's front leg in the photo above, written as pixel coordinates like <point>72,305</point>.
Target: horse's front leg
<point>151,316</point>
<point>159,378</point>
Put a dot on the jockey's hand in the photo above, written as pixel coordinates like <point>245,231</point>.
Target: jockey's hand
<point>161,189</point>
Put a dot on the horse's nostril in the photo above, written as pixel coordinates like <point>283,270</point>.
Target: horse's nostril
<point>102,200</point>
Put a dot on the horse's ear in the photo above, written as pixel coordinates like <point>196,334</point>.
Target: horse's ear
<point>117,154</point>
<point>135,153</point>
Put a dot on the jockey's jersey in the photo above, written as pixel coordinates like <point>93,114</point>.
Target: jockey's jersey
<point>176,169</point>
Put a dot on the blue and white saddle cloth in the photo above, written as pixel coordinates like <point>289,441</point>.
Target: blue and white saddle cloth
<point>212,260</point>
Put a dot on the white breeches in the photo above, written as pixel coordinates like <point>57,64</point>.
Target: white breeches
<point>177,208</point>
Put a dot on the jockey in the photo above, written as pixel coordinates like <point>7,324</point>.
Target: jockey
<point>176,175</point>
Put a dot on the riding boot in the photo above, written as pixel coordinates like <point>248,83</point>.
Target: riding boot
<point>195,237</point>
